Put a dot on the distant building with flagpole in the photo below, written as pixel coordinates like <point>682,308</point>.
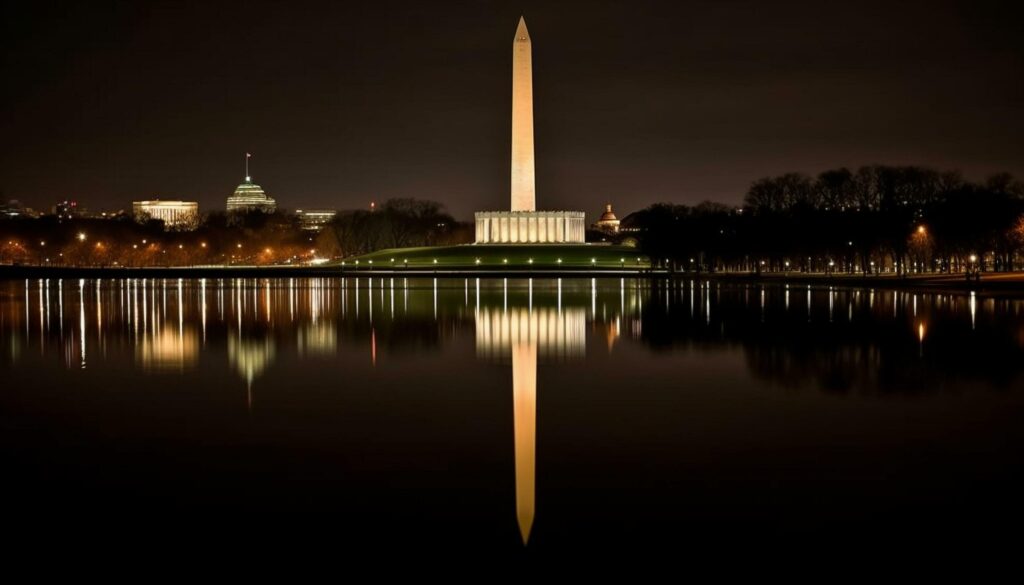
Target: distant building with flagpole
<point>249,196</point>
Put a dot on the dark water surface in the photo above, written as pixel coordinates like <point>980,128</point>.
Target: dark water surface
<point>574,413</point>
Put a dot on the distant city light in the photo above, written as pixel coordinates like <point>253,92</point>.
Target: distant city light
<point>81,236</point>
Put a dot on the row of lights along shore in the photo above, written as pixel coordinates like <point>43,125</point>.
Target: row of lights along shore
<point>478,261</point>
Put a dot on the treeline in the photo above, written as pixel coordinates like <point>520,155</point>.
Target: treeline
<point>398,223</point>
<point>254,238</point>
<point>879,218</point>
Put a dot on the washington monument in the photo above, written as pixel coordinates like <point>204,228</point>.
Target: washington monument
<point>522,223</point>
<point>524,195</point>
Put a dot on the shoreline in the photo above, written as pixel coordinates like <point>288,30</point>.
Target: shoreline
<point>999,282</point>
<point>990,282</point>
<point>33,271</point>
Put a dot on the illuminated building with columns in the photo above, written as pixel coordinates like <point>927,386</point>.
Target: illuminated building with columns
<point>176,215</point>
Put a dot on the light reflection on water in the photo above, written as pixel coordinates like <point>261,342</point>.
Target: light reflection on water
<point>834,341</point>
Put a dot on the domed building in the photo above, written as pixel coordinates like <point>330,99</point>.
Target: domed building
<point>608,222</point>
<point>250,197</point>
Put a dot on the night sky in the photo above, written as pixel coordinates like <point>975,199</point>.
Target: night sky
<point>635,102</point>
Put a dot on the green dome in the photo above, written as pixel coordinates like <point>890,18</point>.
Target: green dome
<point>249,196</point>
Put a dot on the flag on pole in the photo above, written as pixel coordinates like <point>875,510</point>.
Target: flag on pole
<point>247,155</point>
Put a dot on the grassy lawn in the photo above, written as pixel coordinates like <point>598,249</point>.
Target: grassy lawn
<point>504,256</point>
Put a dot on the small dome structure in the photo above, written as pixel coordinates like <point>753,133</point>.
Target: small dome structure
<point>608,221</point>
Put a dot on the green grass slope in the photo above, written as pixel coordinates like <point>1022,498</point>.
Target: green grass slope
<point>498,256</point>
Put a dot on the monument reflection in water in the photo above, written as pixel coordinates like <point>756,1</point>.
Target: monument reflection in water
<point>740,387</point>
<point>522,334</point>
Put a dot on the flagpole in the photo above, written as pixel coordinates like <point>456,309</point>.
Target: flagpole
<point>247,166</point>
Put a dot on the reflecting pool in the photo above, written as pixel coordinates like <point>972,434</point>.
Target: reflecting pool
<point>508,414</point>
